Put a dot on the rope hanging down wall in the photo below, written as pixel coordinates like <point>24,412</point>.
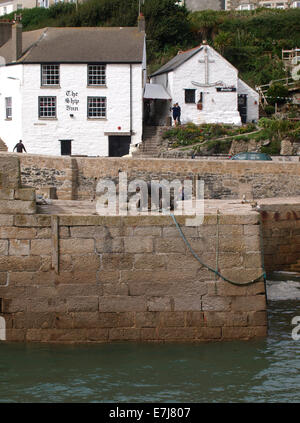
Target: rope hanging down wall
<point>215,271</point>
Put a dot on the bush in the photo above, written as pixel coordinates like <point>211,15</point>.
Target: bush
<point>270,110</point>
<point>277,93</point>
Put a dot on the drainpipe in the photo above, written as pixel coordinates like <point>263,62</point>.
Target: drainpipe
<point>130,99</point>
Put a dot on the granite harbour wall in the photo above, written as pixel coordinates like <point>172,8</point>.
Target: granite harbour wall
<point>78,278</point>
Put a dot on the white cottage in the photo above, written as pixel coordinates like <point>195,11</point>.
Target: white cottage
<point>72,91</point>
<point>206,87</point>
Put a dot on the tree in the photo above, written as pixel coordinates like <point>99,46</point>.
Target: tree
<point>277,93</point>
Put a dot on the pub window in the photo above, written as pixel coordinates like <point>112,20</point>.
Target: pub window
<point>47,107</point>
<point>96,107</point>
<point>49,75</point>
<point>8,107</point>
<point>190,96</point>
<point>96,75</point>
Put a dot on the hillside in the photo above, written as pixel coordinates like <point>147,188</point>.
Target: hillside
<point>251,41</point>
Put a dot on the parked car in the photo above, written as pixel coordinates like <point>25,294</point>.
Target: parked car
<point>251,156</point>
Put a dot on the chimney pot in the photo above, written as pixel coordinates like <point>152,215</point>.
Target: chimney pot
<point>16,41</point>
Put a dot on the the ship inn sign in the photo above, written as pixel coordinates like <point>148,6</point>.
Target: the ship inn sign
<point>71,101</point>
<point>226,89</point>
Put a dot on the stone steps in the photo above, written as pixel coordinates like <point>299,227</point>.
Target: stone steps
<point>3,146</point>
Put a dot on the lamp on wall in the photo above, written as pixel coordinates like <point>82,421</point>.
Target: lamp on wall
<point>71,115</point>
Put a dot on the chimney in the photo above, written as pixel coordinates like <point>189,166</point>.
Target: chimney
<point>16,41</point>
<point>5,32</point>
<point>141,23</point>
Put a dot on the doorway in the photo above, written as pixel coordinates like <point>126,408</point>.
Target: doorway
<point>242,107</point>
<point>118,145</point>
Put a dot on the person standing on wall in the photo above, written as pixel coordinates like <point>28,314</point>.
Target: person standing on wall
<point>20,147</point>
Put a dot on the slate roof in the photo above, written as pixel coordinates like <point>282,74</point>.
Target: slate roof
<point>177,61</point>
<point>79,45</point>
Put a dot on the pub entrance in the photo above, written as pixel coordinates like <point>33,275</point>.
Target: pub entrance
<point>118,145</point>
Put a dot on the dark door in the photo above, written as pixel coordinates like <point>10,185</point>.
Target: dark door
<point>118,145</point>
<point>242,107</point>
<point>66,147</point>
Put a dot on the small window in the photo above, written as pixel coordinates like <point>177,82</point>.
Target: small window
<point>96,107</point>
<point>8,107</point>
<point>50,75</point>
<point>47,107</point>
<point>96,75</point>
<point>190,96</point>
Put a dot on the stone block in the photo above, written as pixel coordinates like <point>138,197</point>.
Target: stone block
<point>115,303</point>
<point>169,245</point>
<point>146,231</point>
<point>257,318</point>
<point>109,276</point>
<point>43,233</point>
<point>17,207</point>
<point>15,335</point>
<point>210,333</point>
<point>115,288</point>
<point>7,194</point>
<point>149,334</point>
<point>64,232</point>
<point>3,278</point>
<point>177,334</point>
<point>97,334</point>
<point>149,261</point>
<point>76,246</point>
<point>9,232</point>
<point>216,303</point>
<point>63,321</point>
<point>195,318</point>
<point>25,194</point>
<point>238,332</point>
<point>33,221</point>
<point>219,318</point>
<point>249,303</point>
<point>84,303</point>
<point>187,303</point>
<point>87,261</point>
<point>6,220</point>
<point>110,245</point>
<point>138,244</point>
<point>10,172</point>
<point>172,318</point>
<point>20,263</point>
<point>117,261</point>
<point>124,334</point>
<point>19,247</point>
<point>173,232</point>
<point>159,304</point>
<point>79,290</point>
<point>34,320</point>
<point>147,319</point>
<point>3,247</point>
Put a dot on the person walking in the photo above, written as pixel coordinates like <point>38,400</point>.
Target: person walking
<point>20,147</point>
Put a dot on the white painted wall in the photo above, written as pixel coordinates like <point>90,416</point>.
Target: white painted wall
<point>11,130</point>
<point>252,100</point>
<point>41,136</point>
<point>218,107</point>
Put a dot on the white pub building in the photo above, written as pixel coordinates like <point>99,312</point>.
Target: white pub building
<point>72,91</point>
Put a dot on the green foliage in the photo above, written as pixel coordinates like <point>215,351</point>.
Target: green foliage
<point>252,41</point>
<point>270,110</point>
<point>191,134</point>
<point>273,148</point>
<point>277,93</point>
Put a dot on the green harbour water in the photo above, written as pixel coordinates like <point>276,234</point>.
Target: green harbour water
<point>265,370</point>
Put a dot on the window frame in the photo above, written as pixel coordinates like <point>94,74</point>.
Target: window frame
<point>50,85</point>
<point>39,107</point>
<point>88,107</point>
<point>7,108</point>
<point>89,84</point>
<point>186,90</point>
